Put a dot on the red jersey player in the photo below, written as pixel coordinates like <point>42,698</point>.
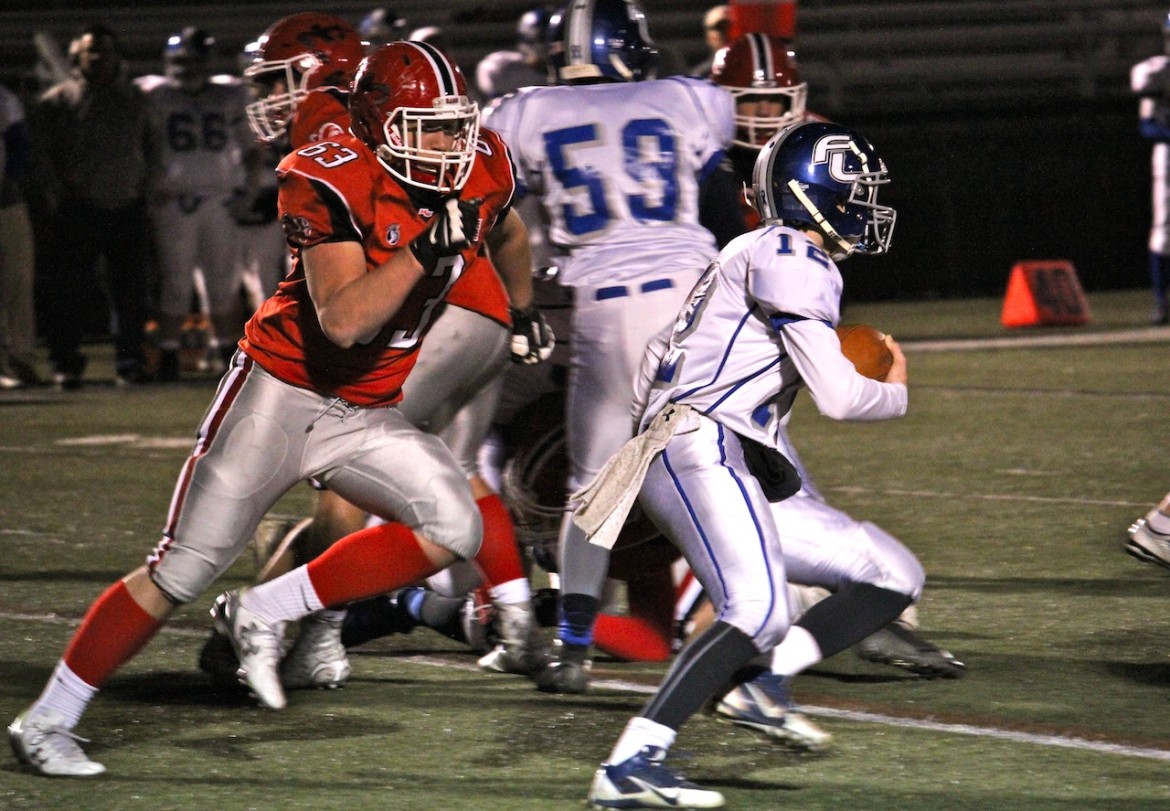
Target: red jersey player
<point>380,225</point>
<point>301,71</point>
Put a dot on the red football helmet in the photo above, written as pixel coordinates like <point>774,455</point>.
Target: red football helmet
<point>300,52</point>
<point>404,91</point>
<point>760,72</point>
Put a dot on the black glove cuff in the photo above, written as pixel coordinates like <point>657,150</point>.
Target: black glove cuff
<point>424,251</point>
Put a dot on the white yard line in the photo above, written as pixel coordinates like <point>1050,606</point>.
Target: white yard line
<point>1141,335</point>
<point>989,497</point>
<point>1062,741</point>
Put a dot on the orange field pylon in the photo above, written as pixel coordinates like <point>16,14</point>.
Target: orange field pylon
<point>1042,292</point>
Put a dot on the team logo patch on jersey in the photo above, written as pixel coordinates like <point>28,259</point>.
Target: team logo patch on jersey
<point>393,234</point>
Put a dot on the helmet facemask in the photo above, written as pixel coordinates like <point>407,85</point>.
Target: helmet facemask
<point>850,224</point>
<point>270,114</point>
<point>752,130</point>
<point>442,170</point>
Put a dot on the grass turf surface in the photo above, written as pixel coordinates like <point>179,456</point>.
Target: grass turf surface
<point>1013,477</point>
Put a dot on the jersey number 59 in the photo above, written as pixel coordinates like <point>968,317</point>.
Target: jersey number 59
<point>648,157</point>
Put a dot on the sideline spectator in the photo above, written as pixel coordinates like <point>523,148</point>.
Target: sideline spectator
<point>93,150</point>
<point>17,320</point>
<point>717,35</point>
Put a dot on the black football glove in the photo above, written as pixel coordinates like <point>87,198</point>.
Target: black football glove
<point>454,227</point>
<point>532,340</point>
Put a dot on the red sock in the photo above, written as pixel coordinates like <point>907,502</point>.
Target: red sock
<point>369,562</point>
<point>631,638</point>
<point>499,556</point>
<point>112,631</point>
<point>644,635</point>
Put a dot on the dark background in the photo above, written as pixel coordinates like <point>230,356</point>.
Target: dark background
<point>1008,125</point>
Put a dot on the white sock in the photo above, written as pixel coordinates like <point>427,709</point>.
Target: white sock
<point>909,617</point>
<point>284,599</point>
<point>1158,522</point>
<point>66,694</point>
<point>798,651</point>
<point>639,733</point>
<point>332,614</point>
<point>512,592</point>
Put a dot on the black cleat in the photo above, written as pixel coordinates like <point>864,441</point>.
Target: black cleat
<point>902,647</point>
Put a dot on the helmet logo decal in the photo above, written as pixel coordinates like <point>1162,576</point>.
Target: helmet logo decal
<point>319,33</point>
<point>833,150</point>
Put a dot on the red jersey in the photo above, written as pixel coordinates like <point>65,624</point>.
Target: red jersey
<point>323,114</point>
<point>336,191</point>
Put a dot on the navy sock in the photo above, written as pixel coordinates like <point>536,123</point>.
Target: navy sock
<point>578,615</point>
<point>700,671</point>
<point>850,614</point>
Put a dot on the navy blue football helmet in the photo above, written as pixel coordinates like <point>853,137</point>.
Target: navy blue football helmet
<point>600,40</point>
<point>532,32</point>
<point>825,176</point>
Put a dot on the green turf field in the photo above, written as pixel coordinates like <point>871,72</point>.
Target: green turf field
<point>1014,477</point>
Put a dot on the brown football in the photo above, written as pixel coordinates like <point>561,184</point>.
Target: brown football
<point>866,349</point>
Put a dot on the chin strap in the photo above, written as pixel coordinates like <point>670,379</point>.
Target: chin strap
<point>844,248</point>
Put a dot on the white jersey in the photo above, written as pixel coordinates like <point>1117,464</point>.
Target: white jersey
<point>1150,79</point>
<point>758,326</point>
<point>618,167</point>
<point>204,135</point>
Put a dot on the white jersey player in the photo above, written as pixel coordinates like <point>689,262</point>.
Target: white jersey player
<point>617,163</point>
<point>762,76</point>
<point>757,328</point>
<point>208,156</point>
<point>1150,79</point>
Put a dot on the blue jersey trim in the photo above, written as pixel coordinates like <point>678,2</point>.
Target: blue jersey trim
<point>723,361</point>
<point>698,525</point>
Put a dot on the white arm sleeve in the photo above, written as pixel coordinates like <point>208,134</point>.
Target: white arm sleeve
<point>839,392</point>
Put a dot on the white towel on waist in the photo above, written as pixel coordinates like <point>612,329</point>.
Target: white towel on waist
<point>601,506</point>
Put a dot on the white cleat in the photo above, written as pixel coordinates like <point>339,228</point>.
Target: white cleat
<point>318,658</point>
<point>521,648</point>
<point>644,782</point>
<point>257,645</point>
<point>1148,545</point>
<point>764,706</point>
<point>43,743</point>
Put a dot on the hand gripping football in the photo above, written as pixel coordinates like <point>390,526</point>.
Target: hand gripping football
<point>866,349</point>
